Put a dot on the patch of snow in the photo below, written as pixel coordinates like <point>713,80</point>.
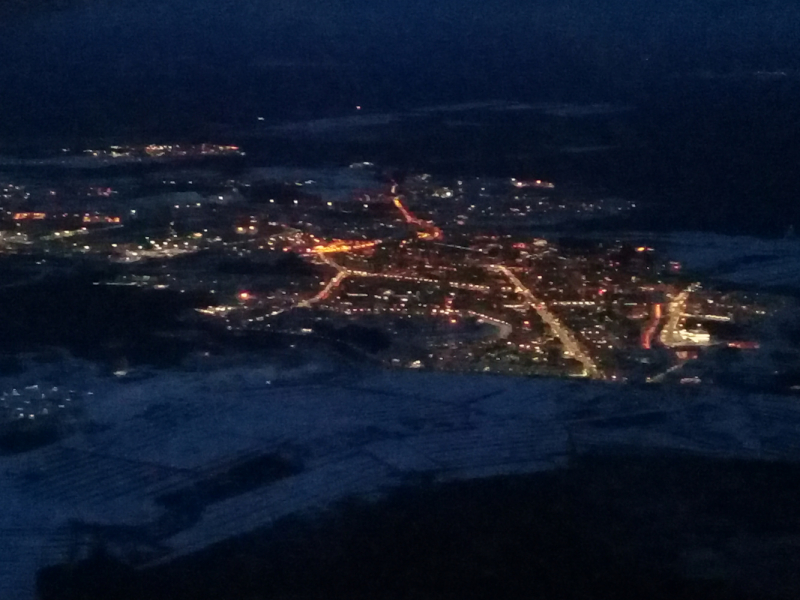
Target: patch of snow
<point>353,438</point>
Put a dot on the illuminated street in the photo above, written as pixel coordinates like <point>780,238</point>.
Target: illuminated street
<point>571,346</point>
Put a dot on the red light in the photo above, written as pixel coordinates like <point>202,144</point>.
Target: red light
<point>744,345</point>
<point>601,291</point>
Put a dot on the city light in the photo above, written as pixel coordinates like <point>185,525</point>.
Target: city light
<point>523,305</point>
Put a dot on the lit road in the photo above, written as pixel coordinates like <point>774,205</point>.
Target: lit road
<point>565,335</point>
<point>334,283</point>
<point>474,287</point>
<point>504,329</point>
<point>649,332</point>
<point>344,246</point>
<point>326,291</point>
<point>60,235</point>
<point>677,307</point>
<point>343,273</point>
<point>429,230</point>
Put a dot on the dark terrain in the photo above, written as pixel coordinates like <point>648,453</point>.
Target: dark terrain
<point>663,528</point>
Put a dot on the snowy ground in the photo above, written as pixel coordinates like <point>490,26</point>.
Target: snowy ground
<point>333,183</point>
<point>367,120</point>
<point>356,435</point>
<point>737,259</point>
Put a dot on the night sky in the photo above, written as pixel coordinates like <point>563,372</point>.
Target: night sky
<point>87,60</point>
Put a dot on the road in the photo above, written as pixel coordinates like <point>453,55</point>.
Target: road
<point>571,346</point>
<point>565,335</point>
<point>341,275</point>
<point>345,246</point>
<point>662,376</point>
<point>652,326</point>
<point>504,329</point>
<point>675,310</point>
<point>429,231</point>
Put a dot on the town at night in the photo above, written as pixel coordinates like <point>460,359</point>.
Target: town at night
<point>379,300</point>
<point>424,273</point>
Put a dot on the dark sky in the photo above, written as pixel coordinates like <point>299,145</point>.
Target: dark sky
<point>357,29</point>
<point>61,59</point>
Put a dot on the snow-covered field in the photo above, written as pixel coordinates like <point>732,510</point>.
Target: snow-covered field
<point>358,435</point>
<point>335,183</point>
<point>737,259</point>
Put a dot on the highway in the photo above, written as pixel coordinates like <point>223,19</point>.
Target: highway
<point>344,246</point>
<point>341,275</point>
<point>571,346</point>
<point>565,335</point>
<point>474,287</point>
<point>677,307</point>
<point>429,230</point>
<point>652,326</point>
<point>326,291</point>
